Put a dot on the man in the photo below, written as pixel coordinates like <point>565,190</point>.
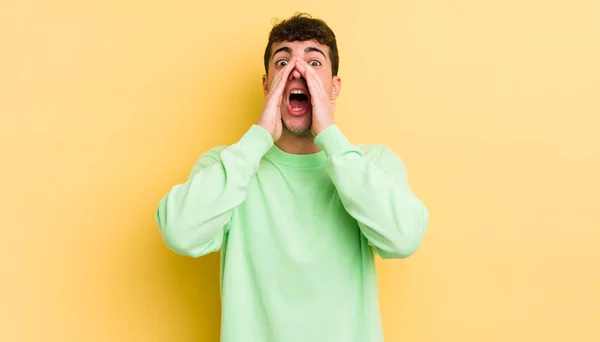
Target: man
<point>297,211</point>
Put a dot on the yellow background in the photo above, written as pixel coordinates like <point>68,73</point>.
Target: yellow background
<point>494,107</point>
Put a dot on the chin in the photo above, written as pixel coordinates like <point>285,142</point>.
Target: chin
<point>298,129</point>
<point>298,124</point>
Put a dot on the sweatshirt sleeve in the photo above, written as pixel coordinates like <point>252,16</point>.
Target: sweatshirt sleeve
<point>373,186</point>
<point>193,217</point>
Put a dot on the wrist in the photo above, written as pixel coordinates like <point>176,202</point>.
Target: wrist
<point>322,127</point>
<point>257,138</point>
<point>333,141</point>
<point>265,127</point>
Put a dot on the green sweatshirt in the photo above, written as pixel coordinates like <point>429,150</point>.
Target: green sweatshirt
<point>298,234</point>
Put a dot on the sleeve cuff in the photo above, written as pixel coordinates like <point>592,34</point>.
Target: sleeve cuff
<point>333,141</point>
<point>256,142</point>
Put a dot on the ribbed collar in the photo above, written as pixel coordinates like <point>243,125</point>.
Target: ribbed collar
<point>299,161</point>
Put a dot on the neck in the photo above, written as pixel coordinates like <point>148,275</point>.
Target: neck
<point>297,144</point>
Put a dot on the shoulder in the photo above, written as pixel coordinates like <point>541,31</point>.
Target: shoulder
<point>382,155</point>
<point>377,151</point>
<point>213,153</point>
<point>209,157</point>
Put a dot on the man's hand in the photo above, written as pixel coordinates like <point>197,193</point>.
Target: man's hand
<point>270,117</point>
<point>322,107</point>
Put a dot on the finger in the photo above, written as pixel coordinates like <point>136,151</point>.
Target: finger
<point>280,79</point>
<point>301,66</point>
<point>275,82</point>
<point>278,84</point>
<point>306,70</point>
<point>315,86</point>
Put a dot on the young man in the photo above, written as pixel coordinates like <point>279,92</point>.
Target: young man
<point>297,211</point>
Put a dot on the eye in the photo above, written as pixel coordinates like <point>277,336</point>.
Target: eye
<point>281,62</point>
<point>314,63</point>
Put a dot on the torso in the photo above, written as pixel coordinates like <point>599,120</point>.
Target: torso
<point>295,264</point>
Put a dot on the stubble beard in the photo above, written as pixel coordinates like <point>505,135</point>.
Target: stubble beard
<point>300,129</point>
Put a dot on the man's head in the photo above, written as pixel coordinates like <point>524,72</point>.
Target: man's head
<point>314,42</point>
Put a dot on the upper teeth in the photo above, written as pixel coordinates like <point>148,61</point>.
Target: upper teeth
<point>297,91</point>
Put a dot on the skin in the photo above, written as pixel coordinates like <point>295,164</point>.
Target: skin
<point>299,65</point>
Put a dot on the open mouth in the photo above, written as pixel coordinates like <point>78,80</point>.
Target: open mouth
<point>298,102</point>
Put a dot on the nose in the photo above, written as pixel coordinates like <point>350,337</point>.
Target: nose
<point>295,74</point>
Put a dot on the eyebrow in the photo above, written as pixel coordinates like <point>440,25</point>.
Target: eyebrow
<point>314,49</point>
<point>289,51</point>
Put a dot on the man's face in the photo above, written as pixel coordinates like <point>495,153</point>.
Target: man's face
<point>296,108</point>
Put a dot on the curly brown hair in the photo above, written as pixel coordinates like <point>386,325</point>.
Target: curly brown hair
<point>303,27</point>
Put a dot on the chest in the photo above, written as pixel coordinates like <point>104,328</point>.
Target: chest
<point>296,215</point>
